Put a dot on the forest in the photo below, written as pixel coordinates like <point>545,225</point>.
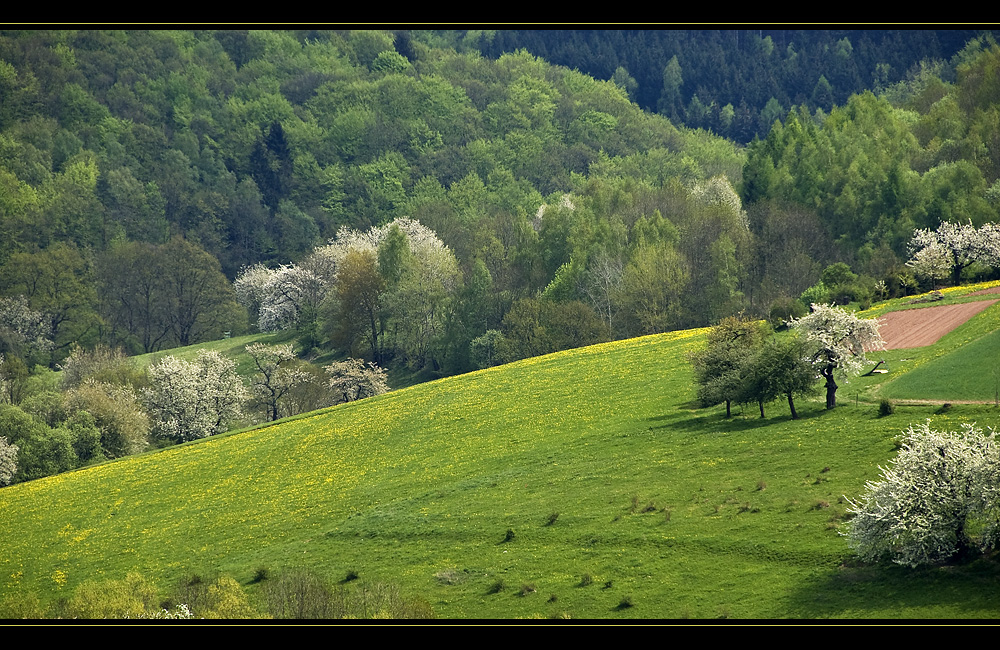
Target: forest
<point>441,201</point>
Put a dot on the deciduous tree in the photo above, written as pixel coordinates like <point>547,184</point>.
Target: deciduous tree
<point>938,499</point>
<point>275,376</point>
<point>189,400</point>
<point>354,379</point>
<point>838,341</point>
<point>8,461</point>
<point>720,368</point>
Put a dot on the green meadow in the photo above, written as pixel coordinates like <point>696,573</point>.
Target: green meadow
<point>582,484</point>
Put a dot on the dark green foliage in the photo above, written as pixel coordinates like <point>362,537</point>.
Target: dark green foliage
<point>719,368</point>
<point>886,407</point>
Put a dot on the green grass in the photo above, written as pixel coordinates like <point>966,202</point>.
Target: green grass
<point>742,517</point>
<point>961,366</point>
<point>233,348</point>
<point>970,372</point>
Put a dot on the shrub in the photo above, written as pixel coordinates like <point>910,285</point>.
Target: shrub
<point>938,500</point>
<point>886,407</point>
<point>119,416</point>
<point>300,594</point>
<point>496,587</point>
<point>131,597</point>
<point>227,600</point>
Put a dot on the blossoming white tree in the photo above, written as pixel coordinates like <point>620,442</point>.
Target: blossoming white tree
<point>936,501</point>
<point>188,400</point>
<point>8,461</point>
<point>953,246</point>
<point>838,340</point>
<point>353,379</point>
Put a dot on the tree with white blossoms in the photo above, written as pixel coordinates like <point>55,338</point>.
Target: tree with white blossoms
<point>191,400</point>
<point>275,376</point>
<point>837,340</point>
<point>354,379</point>
<point>938,500</point>
<point>952,248</point>
<point>8,461</point>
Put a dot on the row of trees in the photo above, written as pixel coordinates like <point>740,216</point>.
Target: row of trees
<point>108,409</point>
<point>742,364</point>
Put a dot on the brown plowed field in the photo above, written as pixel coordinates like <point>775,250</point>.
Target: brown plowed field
<point>914,328</point>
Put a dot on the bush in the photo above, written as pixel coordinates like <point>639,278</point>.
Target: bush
<point>886,407</point>
<point>939,500</point>
<point>131,597</point>
<point>785,309</point>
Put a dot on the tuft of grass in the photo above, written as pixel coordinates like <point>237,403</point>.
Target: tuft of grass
<point>509,537</point>
<point>528,588</point>
<point>449,576</point>
<point>586,580</point>
<point>496,587</point>
<point>351,576</point>
<point>551,519</point>
<point>260,575</point>
<point>625,603</point>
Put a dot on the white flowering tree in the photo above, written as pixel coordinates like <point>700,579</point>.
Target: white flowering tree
<point>354,379</point>
<point>837,340</point>
<point>938,500</point>
<point>275,376</point>
<point>8,461</point>
<point>189,400</point>
<point>953,246</point>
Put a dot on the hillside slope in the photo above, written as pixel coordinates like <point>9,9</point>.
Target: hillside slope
<point>591,458</point>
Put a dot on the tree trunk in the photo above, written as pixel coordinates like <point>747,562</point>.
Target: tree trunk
<point>761,405</point>
<point>729,411</point>
<point>791,405</point>
<point>831,388</point>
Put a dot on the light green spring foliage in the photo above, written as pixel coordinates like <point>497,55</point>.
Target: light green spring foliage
<point>938,498</point>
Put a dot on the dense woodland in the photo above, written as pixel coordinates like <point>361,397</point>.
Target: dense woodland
<point>443,201</point>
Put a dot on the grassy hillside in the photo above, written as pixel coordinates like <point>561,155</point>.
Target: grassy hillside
<point>592,458</point>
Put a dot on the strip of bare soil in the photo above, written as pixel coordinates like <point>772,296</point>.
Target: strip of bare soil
<point>914,328</point>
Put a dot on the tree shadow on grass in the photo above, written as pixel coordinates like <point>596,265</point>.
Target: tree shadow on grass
<point>859,591</point>
<point>714,420</point>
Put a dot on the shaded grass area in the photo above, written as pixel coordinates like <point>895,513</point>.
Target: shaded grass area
<point>448,489</point>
